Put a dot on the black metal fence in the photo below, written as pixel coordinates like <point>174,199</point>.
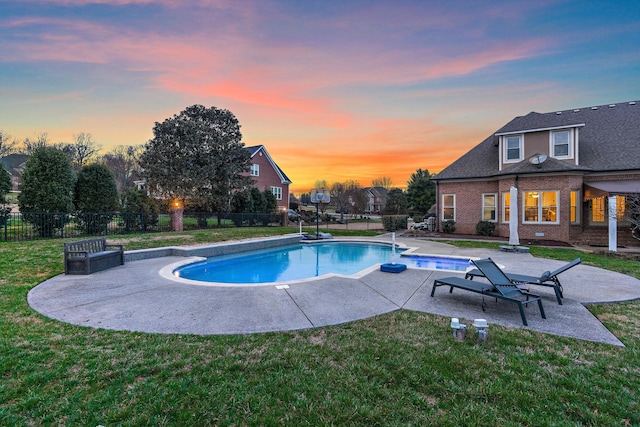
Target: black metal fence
<point>47,225</point>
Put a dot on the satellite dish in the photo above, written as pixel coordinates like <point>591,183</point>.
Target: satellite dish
<point>538,159</point>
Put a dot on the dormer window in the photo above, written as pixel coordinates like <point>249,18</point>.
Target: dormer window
<point>561,144</point>
<point>513,149</point>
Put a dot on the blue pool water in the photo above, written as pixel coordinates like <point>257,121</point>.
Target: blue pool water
<point>291,262</point>
<point>303,261</point>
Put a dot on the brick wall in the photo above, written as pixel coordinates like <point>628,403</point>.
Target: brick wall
<point>268,177</point>
<point>469,204</point>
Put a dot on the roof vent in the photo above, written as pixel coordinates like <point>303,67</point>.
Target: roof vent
<point>594,108</point>
<point>632,103</point>
<point>559,112</point>
<point>612,105</point>
<point>577,110</point>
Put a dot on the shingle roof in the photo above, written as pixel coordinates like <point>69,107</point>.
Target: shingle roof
<point>608,141</point>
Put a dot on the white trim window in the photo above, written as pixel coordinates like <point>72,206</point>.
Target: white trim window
<point>448,207</point>
<point>489,204</point>
<point>540,207</point>
<point>506,206</point>
<point>574,214</point>
<point>513,148</point>
<point>561,144</point>
<point>255,169</point>
<point>277,191</point>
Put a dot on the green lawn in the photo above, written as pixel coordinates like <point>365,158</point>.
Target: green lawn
<point>401,368</point>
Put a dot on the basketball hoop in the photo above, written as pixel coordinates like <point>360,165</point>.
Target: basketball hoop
<point>320,195</point>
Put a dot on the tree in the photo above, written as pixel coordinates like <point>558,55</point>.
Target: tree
<point>6,147</point>
<point>339,197</point>
<point>84,148</point>
<point>5,184</point>
<point>122,161</point>
<point>95,197</point>
<point>270,201</point>
<point>139,211</point>
<point>81,150</point>
<point>47,187</point>
<point>633,214</point>
<point>356,199</point>
<point>396,202</point>
<point>384,182</point>
<point>305,199</point>
<point>29,146</point>
<point>252,200</point>
<point>198,156</point>
<point>421,191</point>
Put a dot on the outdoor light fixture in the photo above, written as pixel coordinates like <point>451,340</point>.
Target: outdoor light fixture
<point>459,329</point>
<point>481,329</point>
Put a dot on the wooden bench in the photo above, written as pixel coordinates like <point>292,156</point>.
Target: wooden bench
<point>89,256</point>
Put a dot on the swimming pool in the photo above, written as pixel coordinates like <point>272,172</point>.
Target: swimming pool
<point>305,261</point>
<point>287,263</point>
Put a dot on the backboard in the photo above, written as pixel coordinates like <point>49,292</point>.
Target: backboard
<point>320,195</point>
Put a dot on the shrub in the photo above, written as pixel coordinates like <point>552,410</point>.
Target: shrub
<point>485,228</point>
<point>449,226</point>
<point>394,222</point>
<point>139,211</point>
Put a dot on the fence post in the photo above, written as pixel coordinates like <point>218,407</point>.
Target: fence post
<point>5,220</point>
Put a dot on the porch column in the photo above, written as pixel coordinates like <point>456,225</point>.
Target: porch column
<point>613,225</point>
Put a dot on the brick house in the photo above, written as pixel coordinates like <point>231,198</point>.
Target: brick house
<point>569,167</point>
<point>268,175</point>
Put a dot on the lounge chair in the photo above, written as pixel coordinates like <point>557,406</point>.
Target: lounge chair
<point>500,287</point>
<point>548,278</point>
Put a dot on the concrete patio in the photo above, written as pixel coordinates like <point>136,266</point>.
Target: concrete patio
<point>136,297</point>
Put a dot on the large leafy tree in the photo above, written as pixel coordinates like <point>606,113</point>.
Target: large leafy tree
<point>197,156</point>
<point>421,191</point>
<point>95,197</point>
<point>46,192</point>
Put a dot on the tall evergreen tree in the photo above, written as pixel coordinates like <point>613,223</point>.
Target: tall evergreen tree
<point>46,192</point>
<point>421,191</point>
<point>95,197</point>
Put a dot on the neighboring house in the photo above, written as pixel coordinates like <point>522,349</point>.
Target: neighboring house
<point>376,198</point>
<point>567,167</point>
<point>14,164</point>
<point>268,175</point>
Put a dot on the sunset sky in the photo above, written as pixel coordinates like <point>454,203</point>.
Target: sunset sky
<point>335,90</point>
